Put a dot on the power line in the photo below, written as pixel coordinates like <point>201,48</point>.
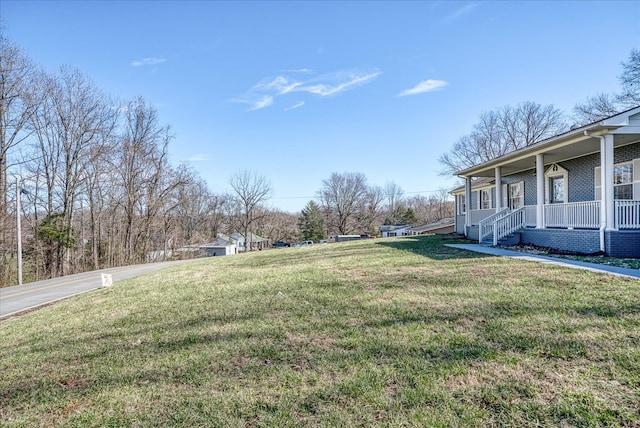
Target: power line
<point>385,194</point>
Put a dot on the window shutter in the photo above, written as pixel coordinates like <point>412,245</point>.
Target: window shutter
<point>597,181</point>
<point>505,196</point>
<point>636,179</point>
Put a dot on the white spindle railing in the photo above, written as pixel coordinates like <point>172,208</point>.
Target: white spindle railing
<point>485,226</point>
<point>508,224</point>
<point>583,215</point>
<point>578,215</point>
<point>627,214</point>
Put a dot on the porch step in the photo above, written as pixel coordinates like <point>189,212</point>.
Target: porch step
<point>512,239</point>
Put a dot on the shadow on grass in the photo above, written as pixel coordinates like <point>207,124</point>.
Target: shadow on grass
<point>431,246</point>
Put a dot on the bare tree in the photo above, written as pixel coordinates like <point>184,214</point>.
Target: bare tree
<point>17,105</point>
<point>502,131</point>
<point>603,105</point>
<point>278,225</point>
<point>342,196</point>
<point>595,108</point>
<point>140,161</point>
<point>73,123</point>
<point>251,191</point>
<point>394,196</point>
<point>194,210</point>
<point>630,81</point>
<point>370,214</point>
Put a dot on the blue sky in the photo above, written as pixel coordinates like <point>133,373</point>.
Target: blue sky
<point>297,90</point>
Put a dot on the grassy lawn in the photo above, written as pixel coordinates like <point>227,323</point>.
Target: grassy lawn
<point>393,332</point>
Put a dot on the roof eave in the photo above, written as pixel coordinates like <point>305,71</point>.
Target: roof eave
<point>593,130</point>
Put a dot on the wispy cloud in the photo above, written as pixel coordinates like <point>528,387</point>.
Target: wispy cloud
<point>334,83</point>
<point>148,61</point>
<point>280,85</point>
<point>297,105</point>
<point>264,93</point>
<point>460,12</point>
<point>198,158</point>
<point>424,86</point>
<point>263,102</point>
<point>298,70</point>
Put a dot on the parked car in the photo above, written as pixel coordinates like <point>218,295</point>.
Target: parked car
<point>281,244</point>
<point>366,236</point>
<point>306,243</point>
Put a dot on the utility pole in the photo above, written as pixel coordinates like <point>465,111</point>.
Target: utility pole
<point>19,228</point>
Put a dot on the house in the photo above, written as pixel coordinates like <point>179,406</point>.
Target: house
<point>578,191</point>
<point>388,230</point>
<point>256,242</point>
<point>222,246</point>
<point>443,226</point>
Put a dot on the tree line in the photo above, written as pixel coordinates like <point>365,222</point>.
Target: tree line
<point>98,189</point>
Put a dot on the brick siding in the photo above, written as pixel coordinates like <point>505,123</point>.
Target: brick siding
<point>623,243</point>
<point>580,241</point>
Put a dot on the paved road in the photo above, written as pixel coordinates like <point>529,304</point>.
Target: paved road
<point>19,298</point>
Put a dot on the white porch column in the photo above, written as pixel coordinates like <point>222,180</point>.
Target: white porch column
<point>607,182</point>
<point>539,191</point>
<point>498,188</point>
<point>467,202</point>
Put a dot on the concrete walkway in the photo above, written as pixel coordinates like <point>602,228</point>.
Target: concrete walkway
<point>594,267</point>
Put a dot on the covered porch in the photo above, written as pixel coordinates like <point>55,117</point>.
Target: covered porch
<point>571,215</point>
<point>600,206</point>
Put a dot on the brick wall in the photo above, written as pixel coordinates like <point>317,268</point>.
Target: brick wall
<point>580,241</point>
<point>581,177</point>
<point>623,243</point>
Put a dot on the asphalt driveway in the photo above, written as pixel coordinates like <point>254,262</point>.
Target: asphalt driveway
<point>20,298</point>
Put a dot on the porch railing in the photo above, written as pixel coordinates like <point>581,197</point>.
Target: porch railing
<point>627,214</point>
<point>573,215</point>
<point>515,220</point>
<point>582,215</point>
<point>485,226</point>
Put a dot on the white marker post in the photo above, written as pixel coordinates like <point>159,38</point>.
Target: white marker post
<point>107,280</point>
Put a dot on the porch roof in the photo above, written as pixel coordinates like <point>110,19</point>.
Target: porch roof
<point>569,145</point>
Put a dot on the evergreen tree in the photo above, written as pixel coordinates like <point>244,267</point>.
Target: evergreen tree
<point>311,222</point>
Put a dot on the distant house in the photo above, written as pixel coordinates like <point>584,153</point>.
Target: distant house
<point>443,226</point>
<point>578,191</point>
<point>222,246</point>
<point>440,227</point>
<point>256,242</point>
<point>388,230</point>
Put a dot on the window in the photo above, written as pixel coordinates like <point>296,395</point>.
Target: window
<point>556,186</point>
<point>485,199</point>
<point>462,208</point>
<point>556,179</point>
<point>625,185</point>
<point>516,195</point>
<point>623,181</point>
